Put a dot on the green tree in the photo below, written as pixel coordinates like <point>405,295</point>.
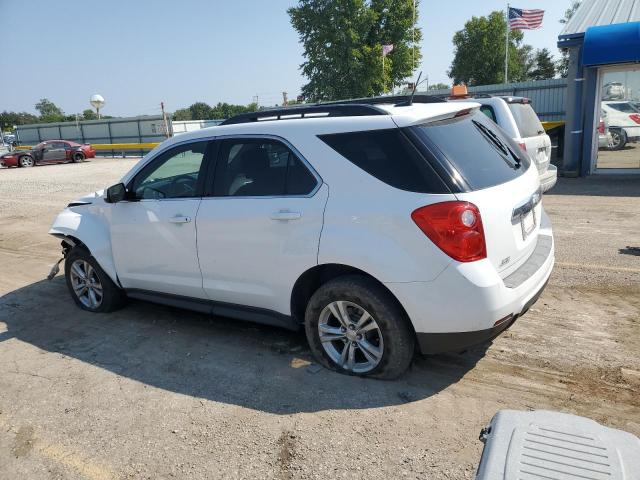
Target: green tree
<point>544,65</point>
<point>438,86</point>
<point>200,111</point>
<point>343,40</point>
<point>182,114</point>
<point>562,65</point>
<point>479,51</point>
<point>89,114</point>
<point>9,119</point>
<point>49,111</point>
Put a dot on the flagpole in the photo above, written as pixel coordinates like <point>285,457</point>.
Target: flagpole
<point>384,82</point>
<point>506,51</point>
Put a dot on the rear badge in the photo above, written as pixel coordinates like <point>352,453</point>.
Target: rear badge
<point>505,261</point>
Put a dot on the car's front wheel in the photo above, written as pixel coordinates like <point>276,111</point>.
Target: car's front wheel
<point>90,287</point>
<point>26,161</point>
<point>355,326</point>
<point>78,157</point>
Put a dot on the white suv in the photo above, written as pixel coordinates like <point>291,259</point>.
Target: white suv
<point>377,227</point>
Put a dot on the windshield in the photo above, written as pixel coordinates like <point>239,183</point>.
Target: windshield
<point>480,151</point>
<point>526,119</point>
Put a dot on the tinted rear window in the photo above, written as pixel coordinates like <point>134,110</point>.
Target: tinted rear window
<point>480,151</point>
<point>390,157</point>
<point>528,122</point>
<point>623,107</point>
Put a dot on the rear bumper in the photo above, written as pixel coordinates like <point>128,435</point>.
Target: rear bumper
<point>430,343</point>
<point>469,303</point>
<point>549,178</point>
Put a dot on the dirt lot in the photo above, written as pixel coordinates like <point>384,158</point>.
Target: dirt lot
<point>154,392</point>
<point>628,157</point>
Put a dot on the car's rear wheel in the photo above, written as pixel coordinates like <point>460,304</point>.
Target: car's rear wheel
<point>78,157</point>
<point>354,326</point>
<point>90,287</point>
<point>618,139</point>
<point>26,161</point>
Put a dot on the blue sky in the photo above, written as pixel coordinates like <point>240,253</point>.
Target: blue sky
<point>138,53</point>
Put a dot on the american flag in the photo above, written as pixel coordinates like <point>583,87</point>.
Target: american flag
<point>520,19</point>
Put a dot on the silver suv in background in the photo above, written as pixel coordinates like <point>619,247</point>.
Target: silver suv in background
<point>520,122</point>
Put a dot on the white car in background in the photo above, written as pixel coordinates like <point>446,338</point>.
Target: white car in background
<point>378,228</point>
<point>624,122</point>
<point>516,117</point>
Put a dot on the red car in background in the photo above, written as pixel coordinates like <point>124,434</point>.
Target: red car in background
<point>51,151</point>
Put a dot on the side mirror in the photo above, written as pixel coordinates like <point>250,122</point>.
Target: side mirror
<point>116,193</point>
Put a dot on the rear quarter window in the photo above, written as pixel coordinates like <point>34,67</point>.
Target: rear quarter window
<point>526,119</point>
<point>388,156</point>
<point>480,151</point>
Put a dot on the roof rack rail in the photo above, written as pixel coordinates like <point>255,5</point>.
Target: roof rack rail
<point>338,109</point>
<point>398,100</point>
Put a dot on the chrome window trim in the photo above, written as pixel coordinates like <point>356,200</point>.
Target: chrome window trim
<point>138,168</point>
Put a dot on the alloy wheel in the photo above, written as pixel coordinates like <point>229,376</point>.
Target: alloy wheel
<point>615,139</point>
<point>350,336</point>
<point>86,284</point>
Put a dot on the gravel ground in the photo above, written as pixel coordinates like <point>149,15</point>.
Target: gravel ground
<point>155,392</point>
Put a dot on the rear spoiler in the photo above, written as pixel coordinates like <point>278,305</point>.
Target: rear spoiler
<point>413,119</point>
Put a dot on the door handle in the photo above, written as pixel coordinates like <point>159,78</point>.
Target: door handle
<point>180,219</point>
<point>285,215</point>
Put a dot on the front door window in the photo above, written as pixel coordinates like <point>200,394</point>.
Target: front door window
<point>174,174</point>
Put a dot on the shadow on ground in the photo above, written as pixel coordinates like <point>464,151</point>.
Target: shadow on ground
<point>599,186</point>
<point>219,359</point>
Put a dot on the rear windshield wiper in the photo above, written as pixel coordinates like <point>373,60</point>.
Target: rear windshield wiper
<point>493,138</point>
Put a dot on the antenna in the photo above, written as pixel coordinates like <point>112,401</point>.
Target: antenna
<point>413,92</point>
<point>409,102</point>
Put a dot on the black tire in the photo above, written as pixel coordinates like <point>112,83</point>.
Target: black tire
<point>619,138</point>
<point>26,161</point>
<point>112,298</point>
<point>77,157</point>
<point>398,337</point>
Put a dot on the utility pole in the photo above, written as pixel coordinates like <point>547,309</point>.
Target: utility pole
<point>285,102</point>
<point>256,100</point>
<point>77,126</point>
<point>164,120</point>
<point>413,33</point>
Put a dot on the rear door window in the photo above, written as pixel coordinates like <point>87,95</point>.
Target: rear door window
<point>388,156</point>
<point>480,151</point>
<point>260,168</point>
<point>526,119</point>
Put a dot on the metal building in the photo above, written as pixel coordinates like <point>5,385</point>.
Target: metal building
<point>547,96</point>
<point>603,88</point>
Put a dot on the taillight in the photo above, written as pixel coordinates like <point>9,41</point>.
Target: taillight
<point>601,127</point>
<point>635,117</point>
<point>523,146</point>
<point>455,228</point>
